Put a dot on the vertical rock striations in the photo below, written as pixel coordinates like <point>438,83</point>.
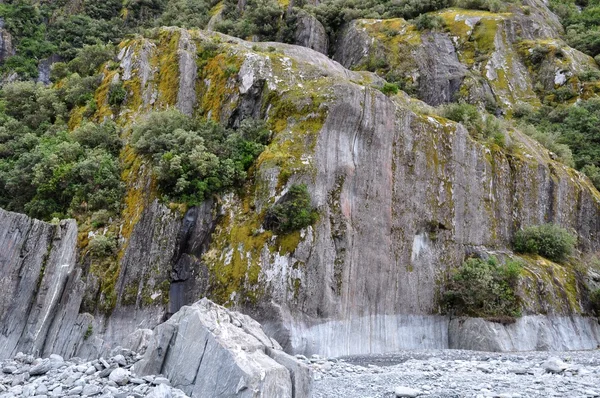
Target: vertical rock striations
<point>38,266</point>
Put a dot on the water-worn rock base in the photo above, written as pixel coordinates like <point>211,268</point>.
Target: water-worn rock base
<point>456,373</point>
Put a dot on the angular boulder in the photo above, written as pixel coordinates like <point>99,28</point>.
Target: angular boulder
<point>311,33</point>
<point>207,350</point>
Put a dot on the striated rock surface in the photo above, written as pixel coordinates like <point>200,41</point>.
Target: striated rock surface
<point>402,194</point>
<point>529,333</point>
<point>479,57</point>
<point>311,33</point>
<point>39,274</point>
<point>208,351</point>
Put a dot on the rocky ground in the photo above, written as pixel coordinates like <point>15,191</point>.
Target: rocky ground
<point>447,373</point>
<point>453,373</point>
<point>26,376</point>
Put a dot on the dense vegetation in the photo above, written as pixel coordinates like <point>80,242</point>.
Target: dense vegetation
<point>484,288</point>
<point>42,29</point>
<point>292,212</point>
<point>548,240</point>
<point>192,158</point>
<point>581,19</point>
<point>572,132</point>
<point>45,170</point>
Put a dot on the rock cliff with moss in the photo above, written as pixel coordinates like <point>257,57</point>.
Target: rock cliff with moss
<point>403,196</point>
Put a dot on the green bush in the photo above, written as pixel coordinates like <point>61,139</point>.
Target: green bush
<point>429,22</point>
<point>292,212</point>
<point>193,159</point>
<point>102,246</point>
<point>116,94</point>
<point>484,288</point>
<point>548,240</point>
<point>595,301</point>
<point>466,114</point>
<point>390,89</point>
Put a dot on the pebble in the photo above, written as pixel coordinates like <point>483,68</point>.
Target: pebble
<point>406,392</point>
<point>27,377</point>
<point>458,373</point>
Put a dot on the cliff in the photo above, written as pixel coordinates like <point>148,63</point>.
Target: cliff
<point>499,60</point>
<point>402,194</point>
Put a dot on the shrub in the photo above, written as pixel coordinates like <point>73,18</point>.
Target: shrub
<point>484,288</point>
<point>550,140</point>
<point>429,22</point>
<point>193,159</point>
<point>593,173</point>
<point>102,246</point>
<point>548,240</point>
<point>390,89</point>
<point>293,211</point>
<point>466,114</point>
<point>116,94</point>
<point>595,301</point>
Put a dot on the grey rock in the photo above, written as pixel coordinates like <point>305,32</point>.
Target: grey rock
<point>75,390</point>
<point>28,390</point>
<point>402,391</point>
<point>20,378</point>
<point>106,372</point>
<point>9,369</point>
<point>119,376</point>
<point>311,33</point>
<point>160,391</point>
<point>6,43</point>
<point>161,380</point>
<point>90,390</point>
<point>56,357</point>
<point>41,368</point>
<point>206,338</point>
<point>120,360</point>
<point>554,365</point>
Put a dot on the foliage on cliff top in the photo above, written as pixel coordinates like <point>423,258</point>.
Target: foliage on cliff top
<point>484,288</point>
<point>192,158</point>
<point>581,19</point>
<point>548,240</point>
<point>577,127</point>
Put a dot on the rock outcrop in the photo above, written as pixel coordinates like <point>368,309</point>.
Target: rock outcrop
<point>529,333</point>
<point>480,57</point>
<point>311,33</point>
<point>6,42</point>
<point>208,351</point>
<point>403,196</point>
<point>39,274</point>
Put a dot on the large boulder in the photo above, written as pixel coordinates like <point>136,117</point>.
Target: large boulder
<point>311,33</point>
<point>208,351</point>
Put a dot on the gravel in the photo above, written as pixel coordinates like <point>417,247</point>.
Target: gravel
<point>455,373</point>
<point>25,376</point>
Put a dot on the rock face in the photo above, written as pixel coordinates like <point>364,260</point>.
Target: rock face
<point>311,33</point>
<point>530,333</point>
<point>480,57</point>
<point>208,351</point>
<point>402,194</point>
<point>6,46</point>
<point>39,274</point>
